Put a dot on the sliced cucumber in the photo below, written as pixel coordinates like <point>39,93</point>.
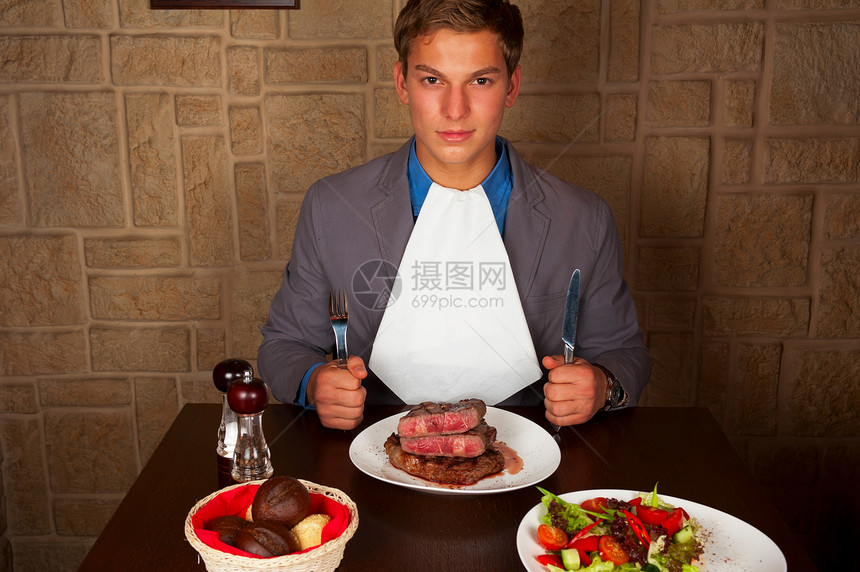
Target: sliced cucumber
<point>684,535</point>
<point>570,558</point>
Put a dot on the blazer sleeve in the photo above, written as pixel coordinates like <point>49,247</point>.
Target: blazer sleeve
<point>297,333</point>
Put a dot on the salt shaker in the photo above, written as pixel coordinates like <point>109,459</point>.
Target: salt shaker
<point>223,374</point>
<point>248,397</point>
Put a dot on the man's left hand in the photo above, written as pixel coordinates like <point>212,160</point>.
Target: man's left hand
<point>575,391</point>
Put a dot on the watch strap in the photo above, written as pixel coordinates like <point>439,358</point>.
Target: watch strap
<point>616,397</point>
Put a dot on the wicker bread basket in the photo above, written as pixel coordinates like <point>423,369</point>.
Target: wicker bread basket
<point>324,558</point>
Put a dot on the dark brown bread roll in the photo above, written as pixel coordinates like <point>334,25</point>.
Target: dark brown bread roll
<point>267,539</point>
<point>227,526</point>
<point>281,499</point>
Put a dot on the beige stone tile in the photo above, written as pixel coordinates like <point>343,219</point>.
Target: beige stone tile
<point>756,379</point>
<point>88,13</point>
<point>672,313</point>
<point>391,116</point>
<point>316,65</point>
<point>152,159</point>
<point>812,160</point>
<point>252,295</point>
<point>208,190</point>
<point>31,13</point>
<point>727,316</point>
<point>624,40</point>
<point>40,352</point>
<point>84,392</point>
<point>23,468</point>
<point>82,516</point>
<point>713,380</point>
<point>312,135</point>
<point>527,119</point>
<point>762,239</point>
<point>155,298</point>
<point>156,405</point>
<point>674,6</point>
<point>621,116</point>
<point>18,398</point>
<point>138,14</point>
<point>72,164</point>
<point>814,74</point>
<point>166,60</point>
<point>252,206</point>
<point>211,345</point>
<point>243,69</point>
<point>737,161</point>
<point>324,19</point>
<point>11,207</point>
<point>668,269</point>
<point>571,33</point>
<point>51,58</point>
<point>132,253</point>
<point>675,187</point>
<point>41,283</point>
<point>140,349</point>
<point>255,24</point>
<point>707,48</point>
<point>90,451</point>
<point>822,387</point>
<point>198,110</point>
<point>246,130</point>
<point>95,392</point>
<point>51,555</point>
<point>842,216</point>
<point>679,103</point>
<point>839,298</point>
<point>739,103</point>
<point>673,362</point>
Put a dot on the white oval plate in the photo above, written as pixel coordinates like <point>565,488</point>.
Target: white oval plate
<point>731,545</point>
<point>538,450</point>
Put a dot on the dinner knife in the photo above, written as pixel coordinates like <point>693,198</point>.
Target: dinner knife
<point>568,328</point>
<point>571,314</point>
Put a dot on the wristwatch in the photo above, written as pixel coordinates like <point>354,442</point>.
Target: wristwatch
<point>616,397</point>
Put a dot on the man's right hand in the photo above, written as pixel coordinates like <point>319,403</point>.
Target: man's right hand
<point>337,394</point>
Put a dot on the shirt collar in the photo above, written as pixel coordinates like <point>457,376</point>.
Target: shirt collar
<point>497,185</point>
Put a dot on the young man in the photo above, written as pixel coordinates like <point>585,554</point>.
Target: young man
<point>470,248</point>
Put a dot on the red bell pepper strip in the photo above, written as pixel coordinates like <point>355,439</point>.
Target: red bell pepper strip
<point>637,527</point>
<point>584,558</point>
<point>553,559</point>
<point>587,543</point>
<point>583,532</point>
<point>635,502</point>
<point>674,522</point>
<point>651,515</point>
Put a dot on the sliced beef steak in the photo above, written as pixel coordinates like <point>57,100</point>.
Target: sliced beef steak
<point>431,418</point>
<point>468,444</point>
<point>449,470</point>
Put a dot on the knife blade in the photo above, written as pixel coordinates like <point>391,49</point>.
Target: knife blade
<point>571,314</point>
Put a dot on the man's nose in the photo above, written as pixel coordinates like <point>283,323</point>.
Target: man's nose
<point>456,103</point>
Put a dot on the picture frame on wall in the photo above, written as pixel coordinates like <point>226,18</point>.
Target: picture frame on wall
<point>294,4</point>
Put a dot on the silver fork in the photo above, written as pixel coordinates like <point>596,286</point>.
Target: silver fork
<point>339,314</point>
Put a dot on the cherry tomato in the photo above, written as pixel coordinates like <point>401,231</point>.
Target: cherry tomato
<point>651,515</point>
<point>587,543</point>
<point>596,504</point>
<point>551,538</point>
<point>674,522</point>
<point>612,551</point>
<point>547,559</point>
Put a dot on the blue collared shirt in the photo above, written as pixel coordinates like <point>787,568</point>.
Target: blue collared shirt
<point>497,185</point>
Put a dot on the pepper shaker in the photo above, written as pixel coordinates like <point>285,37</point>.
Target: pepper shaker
<point>223,374</point>
<point>248,397</point>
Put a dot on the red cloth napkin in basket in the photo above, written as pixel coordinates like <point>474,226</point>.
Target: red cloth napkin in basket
<point>236,501</point>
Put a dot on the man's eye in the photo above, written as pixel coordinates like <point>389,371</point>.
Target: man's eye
<point>482,81</point>
<point>431,80</point>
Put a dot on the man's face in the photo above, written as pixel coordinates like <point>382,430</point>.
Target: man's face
<point>457,90</point>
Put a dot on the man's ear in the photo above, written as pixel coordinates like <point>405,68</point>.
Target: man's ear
<point>400,83</point>
<point>513,88</point>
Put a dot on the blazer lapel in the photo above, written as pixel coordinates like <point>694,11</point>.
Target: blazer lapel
<point>392,215</point>
<point>526,228</point>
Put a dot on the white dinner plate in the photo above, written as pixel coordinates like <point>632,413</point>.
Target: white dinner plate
<point>534,445</point>
<point>731,545</point>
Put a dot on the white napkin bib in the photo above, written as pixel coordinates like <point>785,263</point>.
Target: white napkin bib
<point>457,330</point>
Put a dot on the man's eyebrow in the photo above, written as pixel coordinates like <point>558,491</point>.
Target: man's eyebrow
<point>489,70</point>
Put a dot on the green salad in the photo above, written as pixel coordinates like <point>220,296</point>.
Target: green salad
<point>602,534</point>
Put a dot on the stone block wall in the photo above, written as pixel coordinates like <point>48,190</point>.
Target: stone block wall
<point>152,164</point>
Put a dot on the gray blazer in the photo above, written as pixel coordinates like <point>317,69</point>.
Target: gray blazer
<point>356,223</point>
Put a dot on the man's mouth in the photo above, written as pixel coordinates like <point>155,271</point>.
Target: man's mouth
<point>455,136</point>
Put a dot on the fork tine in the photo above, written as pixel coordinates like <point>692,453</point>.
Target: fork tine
<point>345,307</point>
<point>331,304</point>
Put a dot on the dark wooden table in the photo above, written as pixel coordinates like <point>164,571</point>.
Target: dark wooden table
<point>403,529</point>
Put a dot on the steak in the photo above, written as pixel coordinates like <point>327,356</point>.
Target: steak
<point>468,444</point>
<point>449,470</point>
<point>431,418</point>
